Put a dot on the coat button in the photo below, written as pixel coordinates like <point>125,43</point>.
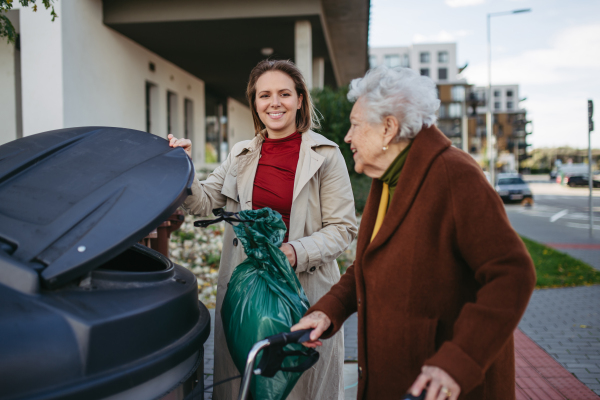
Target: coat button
<point>359,302</point>
<point>235,241</point>
<point>313,269</point>
<point>359,372</point>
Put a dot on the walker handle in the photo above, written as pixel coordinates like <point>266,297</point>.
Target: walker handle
<point>284,338</point>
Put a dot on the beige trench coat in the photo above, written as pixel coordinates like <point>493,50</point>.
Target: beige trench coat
<point>322,226</point>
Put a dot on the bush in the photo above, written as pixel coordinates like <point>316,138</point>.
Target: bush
<point>335,109</point>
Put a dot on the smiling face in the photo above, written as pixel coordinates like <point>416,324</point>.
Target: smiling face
<point>366,142</point>
<point>277,103</point>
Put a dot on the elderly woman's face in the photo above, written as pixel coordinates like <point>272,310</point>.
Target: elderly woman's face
<point>366,142</point>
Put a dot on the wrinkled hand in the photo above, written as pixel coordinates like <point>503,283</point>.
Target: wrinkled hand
<point>289,252</point>
<point>185,143</point>
<point>318,321</point>
<point>441,385</point>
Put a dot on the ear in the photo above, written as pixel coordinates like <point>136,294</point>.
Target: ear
<point>391,126</point>
<point>300,98</point>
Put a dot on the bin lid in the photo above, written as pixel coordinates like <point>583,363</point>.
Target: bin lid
<point>72,199</point>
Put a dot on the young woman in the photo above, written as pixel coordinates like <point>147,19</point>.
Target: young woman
<point>300,174</point>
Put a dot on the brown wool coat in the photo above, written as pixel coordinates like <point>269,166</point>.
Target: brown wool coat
<point>444,282</point>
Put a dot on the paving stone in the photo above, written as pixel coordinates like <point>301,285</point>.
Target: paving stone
<point>566,323</point>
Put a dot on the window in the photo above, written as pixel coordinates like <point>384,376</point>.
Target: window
<point>458,93</point>
<point>511,181</point>
<point>442,112</point>
<point>391,60</point>
<point>372,61</point>
<point>172,127</point>
<point>496,105</point>
<point>509,105</point>
<point>151,107</point>
<point>509,93</point>
<point>455,110</point>
<point>442,57</point>
<point>188,127</point>
<point>425,71</point>
<point>404,63</point>
<point>442,74</point>
<point>424,57</point>
<point>496,93</point>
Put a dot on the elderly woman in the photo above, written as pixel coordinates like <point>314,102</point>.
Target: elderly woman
<point>303,176</point>
<point>440,279</point>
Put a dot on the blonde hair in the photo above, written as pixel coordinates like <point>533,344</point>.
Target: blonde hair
<point>306,117</point>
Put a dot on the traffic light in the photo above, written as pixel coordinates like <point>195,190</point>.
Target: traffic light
<point>590,115</point>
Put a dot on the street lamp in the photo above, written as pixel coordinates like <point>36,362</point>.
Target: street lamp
<point>488,119</point>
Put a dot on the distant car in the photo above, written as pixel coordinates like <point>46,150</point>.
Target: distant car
<point>580,180</point>
<point>553,175</point>
<point>512,188</point>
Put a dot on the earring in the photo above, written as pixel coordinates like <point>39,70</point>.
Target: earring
<point>385,148</point>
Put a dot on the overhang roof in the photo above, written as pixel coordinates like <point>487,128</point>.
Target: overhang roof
<point>220,42</point>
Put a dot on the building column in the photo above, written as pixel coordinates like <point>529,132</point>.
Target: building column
<point>318,73</point>
<point>303,50</point>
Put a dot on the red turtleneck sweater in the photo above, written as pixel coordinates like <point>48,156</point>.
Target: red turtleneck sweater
<point>274,181</point>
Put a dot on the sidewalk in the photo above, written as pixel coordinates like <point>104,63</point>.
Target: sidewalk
<point>557,347</point>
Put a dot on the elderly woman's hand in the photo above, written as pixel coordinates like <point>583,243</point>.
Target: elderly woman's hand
<point>441,385</point>
<point>319,322</point>
<point>185,143</point>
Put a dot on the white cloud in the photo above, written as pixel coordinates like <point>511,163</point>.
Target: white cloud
<point>441,37</point>
<point>557,80</point>
<point>574,52</point>
<point>463,3</point>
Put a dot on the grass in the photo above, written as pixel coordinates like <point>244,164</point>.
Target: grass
<point>557,269</point>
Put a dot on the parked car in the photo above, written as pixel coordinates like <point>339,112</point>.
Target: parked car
<point>580,180</point>
<point>512,188</point>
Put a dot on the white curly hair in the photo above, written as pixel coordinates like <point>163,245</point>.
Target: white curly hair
<point>400,92</point>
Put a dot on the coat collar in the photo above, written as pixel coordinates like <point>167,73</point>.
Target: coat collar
<point>309,162</point>
<point>309,138</point>
<point>427,146</point>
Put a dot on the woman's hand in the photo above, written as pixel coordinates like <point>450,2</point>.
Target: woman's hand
<point>319,321</point>
<point>289,252</point>
<point>185,143</point>
<point>441,385</point>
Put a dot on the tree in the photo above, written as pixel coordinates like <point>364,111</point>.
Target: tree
<point>6,27</point>
<point>335,110</point>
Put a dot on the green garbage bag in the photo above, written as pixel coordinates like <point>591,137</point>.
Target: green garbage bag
<point>264,298</point>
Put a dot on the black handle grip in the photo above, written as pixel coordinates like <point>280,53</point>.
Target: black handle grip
<point>284,338</point>
<point>300,336</point>
<point>409,396</point>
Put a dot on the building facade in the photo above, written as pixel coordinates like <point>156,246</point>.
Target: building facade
<point>179,68</point>
<point>462,113</point>
<point>435,60</point>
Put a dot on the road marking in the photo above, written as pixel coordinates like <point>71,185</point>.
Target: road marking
<point>583,226</point>
<point>558,215</point>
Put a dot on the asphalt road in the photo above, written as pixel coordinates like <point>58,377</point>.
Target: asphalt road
<point>559,218</point>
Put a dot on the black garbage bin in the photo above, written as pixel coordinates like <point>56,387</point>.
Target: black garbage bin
<point>85,311</point>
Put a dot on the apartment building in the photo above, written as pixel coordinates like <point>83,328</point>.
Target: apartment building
<point>177,67</point>
<point>435,60</point>
<point>510,123</point>
<point>462,113</point>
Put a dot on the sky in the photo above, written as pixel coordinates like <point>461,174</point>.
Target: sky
<point>552,52</point>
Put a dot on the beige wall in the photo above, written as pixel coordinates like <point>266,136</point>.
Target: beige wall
<point>107,74</point>
<point>8,110</point>
<point>240,125</point>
